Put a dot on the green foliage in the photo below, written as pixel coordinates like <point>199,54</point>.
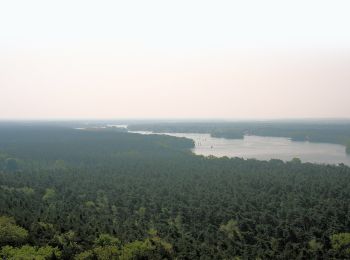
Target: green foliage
<point>86,255</point>
<point>296,161</point>
<point>136,250</point>
<point>101,200</point>
<point>10,233</point>
<point>341,244</point>
<point>315,246</point>
<point>107,240</point>
<point>49,194</point>
<point>29,252</point>
<point>68,238</point>
<point>67,242</point>
<point>151,248</point>
<point>43,232</point>
<point>46,145</point>
<point>59,165</point>
<point>231,229</point>
<point>99,253</point>
<point>90,204</point>
<point>107,247</point>
<point>25,190</point>
<point>141,211</point>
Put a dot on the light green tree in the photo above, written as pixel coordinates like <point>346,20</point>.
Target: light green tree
<point>49,194</point>
<point>314,245</point>
<point>231,229</point>
<point>67,242</point>
<point>10,233</point>
<point>341,244</point>
<point>99,253</point>
<point>107,240</point>
<point>29,253</point>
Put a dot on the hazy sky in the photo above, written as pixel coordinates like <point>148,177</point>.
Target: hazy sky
<point>174,59</point>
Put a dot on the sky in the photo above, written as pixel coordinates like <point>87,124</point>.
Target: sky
<point>174,59</point>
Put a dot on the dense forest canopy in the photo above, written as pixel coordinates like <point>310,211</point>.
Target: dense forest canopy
<point>108,194</point>
<point>315,131</point>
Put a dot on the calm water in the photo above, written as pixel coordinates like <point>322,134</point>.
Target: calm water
<point>266,148</point>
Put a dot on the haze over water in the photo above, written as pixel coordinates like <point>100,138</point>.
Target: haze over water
<point>266,148</point>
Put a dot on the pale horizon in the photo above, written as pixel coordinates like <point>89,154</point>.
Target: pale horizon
<point>185,60</point>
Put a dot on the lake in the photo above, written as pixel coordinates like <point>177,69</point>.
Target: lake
<point>265,148</point>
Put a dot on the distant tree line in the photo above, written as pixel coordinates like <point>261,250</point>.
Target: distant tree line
<point>337,133</point>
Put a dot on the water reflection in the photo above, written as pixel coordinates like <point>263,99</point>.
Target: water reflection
<point>266,148</point>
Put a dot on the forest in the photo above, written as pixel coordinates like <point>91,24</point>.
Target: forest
<point>323,131</point>
<point>109,194</point>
